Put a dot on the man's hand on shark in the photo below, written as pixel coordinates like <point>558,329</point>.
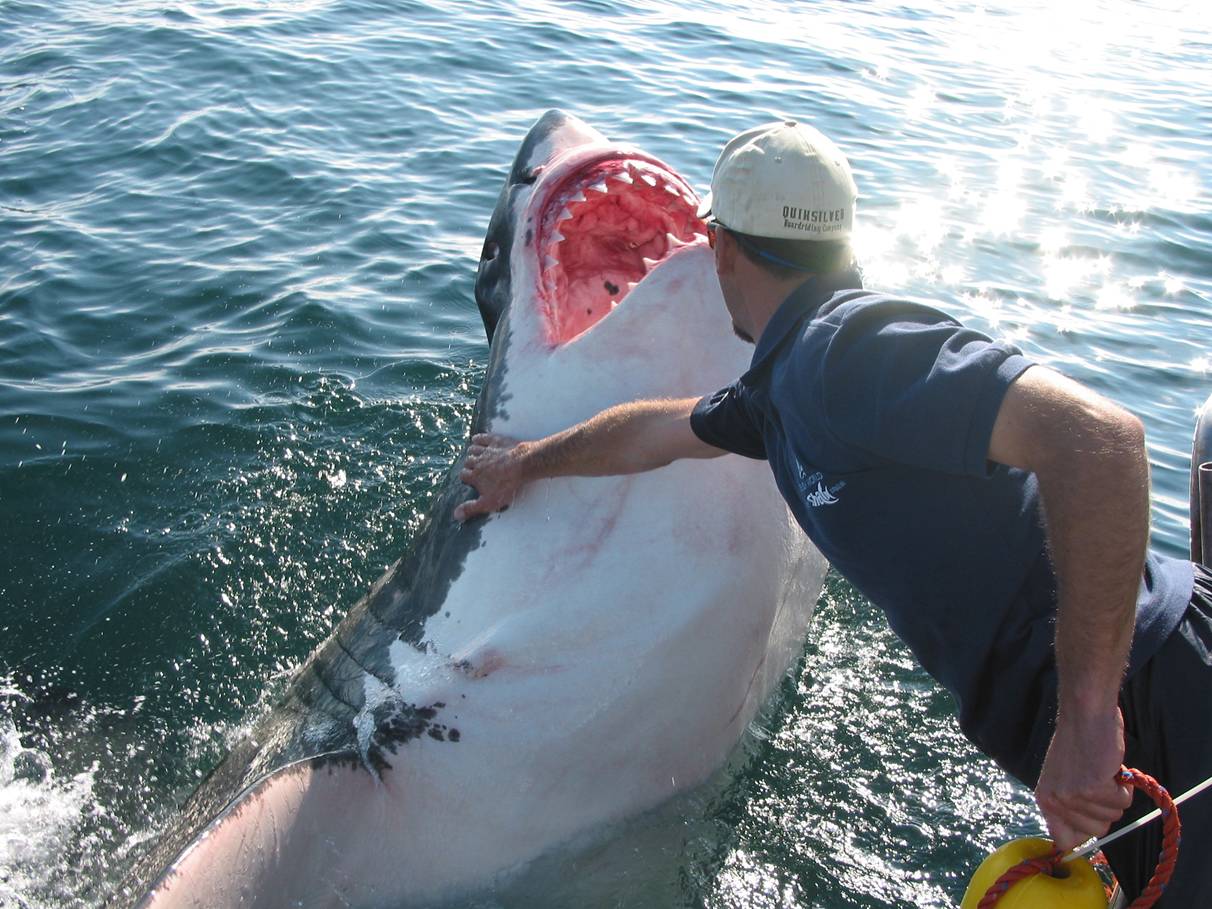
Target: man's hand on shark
<point>494,469</point>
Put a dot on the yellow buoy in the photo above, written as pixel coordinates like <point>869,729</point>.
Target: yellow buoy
<point>1082,889</point>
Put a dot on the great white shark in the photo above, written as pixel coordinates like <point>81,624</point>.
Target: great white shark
<point>524,679</point>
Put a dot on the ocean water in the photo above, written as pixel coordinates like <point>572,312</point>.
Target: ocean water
<point>239,351</point>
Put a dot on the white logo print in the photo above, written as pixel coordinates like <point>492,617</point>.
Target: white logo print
<point>821,496</point>
<point>813,489</point>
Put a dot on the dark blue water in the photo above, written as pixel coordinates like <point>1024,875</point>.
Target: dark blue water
<point>238,351</point>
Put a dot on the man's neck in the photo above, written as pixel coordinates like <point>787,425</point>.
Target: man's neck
<point>766,294</point>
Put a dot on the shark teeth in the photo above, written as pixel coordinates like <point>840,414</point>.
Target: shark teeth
<point>667,226</point>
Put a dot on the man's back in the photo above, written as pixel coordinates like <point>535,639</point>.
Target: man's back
<point>875,414</point>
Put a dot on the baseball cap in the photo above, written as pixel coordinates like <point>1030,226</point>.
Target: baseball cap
<point>783,180</point>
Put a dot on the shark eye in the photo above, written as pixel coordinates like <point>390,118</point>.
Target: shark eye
<point>489,252</point>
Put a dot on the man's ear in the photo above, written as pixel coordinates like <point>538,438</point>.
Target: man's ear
<point>726,250</point>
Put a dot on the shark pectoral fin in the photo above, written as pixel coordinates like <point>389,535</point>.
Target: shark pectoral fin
<point>296,837</point>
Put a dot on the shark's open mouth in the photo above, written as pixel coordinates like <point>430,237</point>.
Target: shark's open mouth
<point>602,227</point>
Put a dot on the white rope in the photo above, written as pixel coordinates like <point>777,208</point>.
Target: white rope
<point>1095,845</point>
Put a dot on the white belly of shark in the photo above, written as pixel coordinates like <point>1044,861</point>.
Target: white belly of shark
<point>603,644</point>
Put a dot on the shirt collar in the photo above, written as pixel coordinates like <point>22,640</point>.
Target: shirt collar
<point>802,303</point>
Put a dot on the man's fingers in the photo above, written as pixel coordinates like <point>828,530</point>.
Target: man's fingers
<point>1088,822</point>
<point>492,440</point>
<point>1065,838</point>
<point>1072,823</point>
<point>1069,828</point>
<point>486,469</point>
<point>471,509</point>
<point>1105,803</point>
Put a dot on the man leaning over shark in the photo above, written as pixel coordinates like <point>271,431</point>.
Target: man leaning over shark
<point>996,511</point>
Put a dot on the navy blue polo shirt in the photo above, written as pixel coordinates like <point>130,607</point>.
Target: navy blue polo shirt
<point>875,414</point>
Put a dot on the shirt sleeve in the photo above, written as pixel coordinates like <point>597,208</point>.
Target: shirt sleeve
<point>909,384</point>
<point>726,420</point>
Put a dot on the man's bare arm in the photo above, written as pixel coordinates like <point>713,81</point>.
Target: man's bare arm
<point>627,438</point>
<point>1089,457</point>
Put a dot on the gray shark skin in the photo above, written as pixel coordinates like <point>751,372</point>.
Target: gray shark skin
<point>517,681</point>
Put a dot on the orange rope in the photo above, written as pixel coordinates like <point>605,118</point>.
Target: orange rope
<point>1172,834</point>
<point>1045,864</point>
<point>1165,863</point>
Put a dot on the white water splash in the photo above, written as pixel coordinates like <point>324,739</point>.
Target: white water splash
<point>38,815</point>
<point>421,677</point>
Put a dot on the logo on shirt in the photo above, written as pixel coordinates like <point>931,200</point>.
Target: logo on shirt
<point>814,490</point>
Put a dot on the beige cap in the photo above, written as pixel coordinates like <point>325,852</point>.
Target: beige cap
<point>783,180</point>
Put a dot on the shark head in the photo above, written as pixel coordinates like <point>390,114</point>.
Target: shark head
<point>579,223</point>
